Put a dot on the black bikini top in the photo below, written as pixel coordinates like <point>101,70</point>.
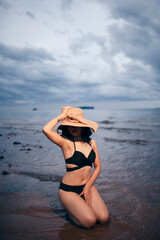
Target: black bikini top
<point>79,159</point>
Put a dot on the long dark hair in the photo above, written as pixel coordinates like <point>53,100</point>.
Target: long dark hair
<point>85,133</point>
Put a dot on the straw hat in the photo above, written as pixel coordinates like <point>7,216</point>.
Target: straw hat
<point>75,118</point>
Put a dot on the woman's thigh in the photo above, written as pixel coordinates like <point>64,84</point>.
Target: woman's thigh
<point>77,208</point>
<point>99,206</point>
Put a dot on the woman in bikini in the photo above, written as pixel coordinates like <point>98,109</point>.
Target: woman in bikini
<point>77,192</point>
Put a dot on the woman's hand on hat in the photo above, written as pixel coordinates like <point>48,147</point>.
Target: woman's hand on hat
<point>77,118</point>
<point>63,114</point>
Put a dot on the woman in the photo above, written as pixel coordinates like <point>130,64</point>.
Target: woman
<point>77,192</point>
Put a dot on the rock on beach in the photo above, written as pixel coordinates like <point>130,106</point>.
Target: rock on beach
<point>16,143</point>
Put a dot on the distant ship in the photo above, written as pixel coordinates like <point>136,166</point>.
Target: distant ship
<point>86,107</point>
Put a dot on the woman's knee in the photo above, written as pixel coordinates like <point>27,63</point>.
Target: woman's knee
<point>89,221</point>
<point>104,217</point>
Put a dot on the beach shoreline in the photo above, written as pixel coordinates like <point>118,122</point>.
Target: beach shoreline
<point>32,167</point>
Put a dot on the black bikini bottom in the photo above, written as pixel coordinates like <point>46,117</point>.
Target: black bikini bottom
<point>70,188</point>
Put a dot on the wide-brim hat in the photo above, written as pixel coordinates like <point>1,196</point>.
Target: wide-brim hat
<point>75,118</point>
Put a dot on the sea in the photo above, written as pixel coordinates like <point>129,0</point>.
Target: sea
<point>31,168</point>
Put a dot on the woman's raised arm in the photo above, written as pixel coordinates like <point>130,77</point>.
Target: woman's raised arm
<point>48,128</point>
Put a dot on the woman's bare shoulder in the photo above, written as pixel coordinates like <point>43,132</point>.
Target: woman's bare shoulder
<point>67,142</point>
<point>93,143</point>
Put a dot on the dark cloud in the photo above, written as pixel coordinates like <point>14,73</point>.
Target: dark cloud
<point>29,14</point>
<point>4,4</point>
<point>138,36</point>
<point>25,75</point>
<point>25,54</point>
<point>65,4</point>
<point>34,79</point>
<point>85,41</point>
<point>137,43</point>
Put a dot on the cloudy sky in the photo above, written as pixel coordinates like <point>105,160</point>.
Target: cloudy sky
<point>79,51</point>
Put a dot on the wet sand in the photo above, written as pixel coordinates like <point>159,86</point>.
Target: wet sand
<point>32,216</point>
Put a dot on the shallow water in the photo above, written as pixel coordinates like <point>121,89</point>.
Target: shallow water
<point>129,147</point>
